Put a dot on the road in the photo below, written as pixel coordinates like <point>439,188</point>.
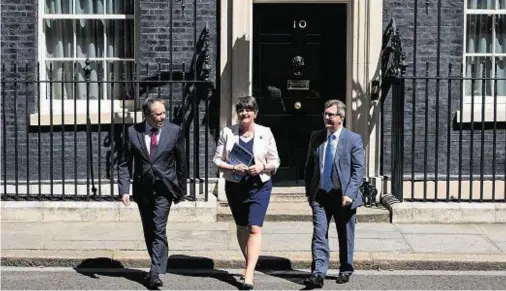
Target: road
<point>14,278</point>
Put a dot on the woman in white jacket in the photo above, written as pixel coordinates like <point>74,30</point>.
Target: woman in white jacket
<point>248,187</point>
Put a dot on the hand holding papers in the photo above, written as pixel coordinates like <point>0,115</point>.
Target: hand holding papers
<point>240,156</point>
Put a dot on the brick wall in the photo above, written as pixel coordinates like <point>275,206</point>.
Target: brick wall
<point>155,47</point>
<point>451,51</point>
<point>19,46</point>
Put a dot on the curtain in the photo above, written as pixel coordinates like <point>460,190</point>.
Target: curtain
<point>479,34</point>
<point>502,4</point>
<point>59,44</point>
<point>479,40</point>
<point>58,6</point>
<point>89,43</point>
<point>480,4</point>
<point>90,6</point>
<point>501,73</point>
<point>478,66</point>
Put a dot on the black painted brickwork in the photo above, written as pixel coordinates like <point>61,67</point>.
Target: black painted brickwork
<point>19,46</point>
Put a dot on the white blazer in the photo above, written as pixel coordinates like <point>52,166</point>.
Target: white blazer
<point>264,150</point>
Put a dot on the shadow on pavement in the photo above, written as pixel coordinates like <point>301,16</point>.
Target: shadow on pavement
<point>281,268</point>
<point>199,267</point>
<point>109,267</point>
<point>193,267</point>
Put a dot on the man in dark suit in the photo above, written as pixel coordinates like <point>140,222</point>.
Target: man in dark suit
<point>334,172</point>
<point>157,149</point>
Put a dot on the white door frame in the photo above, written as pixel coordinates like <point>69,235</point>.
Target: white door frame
<point>364,39</point>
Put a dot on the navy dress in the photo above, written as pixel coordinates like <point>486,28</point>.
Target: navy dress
<point>248,199</point>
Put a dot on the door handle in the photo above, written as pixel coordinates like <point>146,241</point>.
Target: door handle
<point>297,105</point>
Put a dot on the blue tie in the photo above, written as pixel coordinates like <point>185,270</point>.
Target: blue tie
<point>327,167</point>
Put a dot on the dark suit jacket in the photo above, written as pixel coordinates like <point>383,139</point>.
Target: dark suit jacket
<point>168,166</point>
<point>349,162</point>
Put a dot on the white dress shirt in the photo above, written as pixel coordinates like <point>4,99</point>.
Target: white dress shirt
<point>335,141</point>
<point>147,137</point>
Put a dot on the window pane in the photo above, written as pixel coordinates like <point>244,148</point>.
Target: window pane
<point>475,67</point>
<point>90,38</point>
<point>58,6</point>
<point>480,4</point>
<point>89,6</point>
<point>500,34</point>
<point>479,34</point>
<point>81,78</point>
<point>502,4</point>
<point>59,38</point>
<point>501,73</point>
<point>120,6</point>
<point>120,38</point>
<point>61,75</point>
<point>120,71</point>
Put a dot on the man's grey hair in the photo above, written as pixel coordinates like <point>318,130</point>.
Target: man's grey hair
<point>341,107</point>
<point>148,104</point>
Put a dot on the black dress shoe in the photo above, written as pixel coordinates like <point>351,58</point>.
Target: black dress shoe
<point>343,278</point>
<point>314,281</point>
<point>154,281</point>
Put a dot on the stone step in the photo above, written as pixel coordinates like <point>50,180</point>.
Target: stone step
<point>300,211</point>
<point>283,190</point>
<point>288,194</point>
<point>105,211</point>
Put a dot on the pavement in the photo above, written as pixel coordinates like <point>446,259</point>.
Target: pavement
<point>286,245</point>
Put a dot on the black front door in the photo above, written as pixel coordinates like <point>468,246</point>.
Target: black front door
<point>299,62</point>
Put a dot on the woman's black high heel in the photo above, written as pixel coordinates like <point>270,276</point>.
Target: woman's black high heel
<point>246,286</point>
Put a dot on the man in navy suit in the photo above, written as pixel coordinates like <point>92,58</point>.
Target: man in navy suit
<point>333,174</point>
<point>157,150</point>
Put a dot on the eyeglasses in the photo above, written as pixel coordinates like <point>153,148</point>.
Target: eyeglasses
<point>329,115</point>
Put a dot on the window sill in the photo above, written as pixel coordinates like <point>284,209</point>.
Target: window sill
<point>477,118</point>
<point>81,118</point>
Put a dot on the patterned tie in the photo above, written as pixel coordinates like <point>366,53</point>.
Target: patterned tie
<point>154,143</point>
<point>329,160</point>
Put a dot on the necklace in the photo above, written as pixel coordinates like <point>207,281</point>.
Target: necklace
<point>246,134</point>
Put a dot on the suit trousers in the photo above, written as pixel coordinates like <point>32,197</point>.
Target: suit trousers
<point>154,215</point>
<point>325,206</point>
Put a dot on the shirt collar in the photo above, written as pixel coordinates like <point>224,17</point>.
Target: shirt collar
<point>149,127</point>
<point>337,133</point>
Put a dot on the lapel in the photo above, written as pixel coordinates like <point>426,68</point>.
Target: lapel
<point>258,140</point>
<point>320,140</point>
<point>235,137</point>
<point>340,146</point>
<point>140,136</point>
<point>164,136</point>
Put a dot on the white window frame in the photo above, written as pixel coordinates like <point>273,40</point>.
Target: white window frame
<point>489,99</point>
<point>105,104</point>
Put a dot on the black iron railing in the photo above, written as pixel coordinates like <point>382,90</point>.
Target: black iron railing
<point>58,152</point>
<point>461,146</point>
<point>447,142</point>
